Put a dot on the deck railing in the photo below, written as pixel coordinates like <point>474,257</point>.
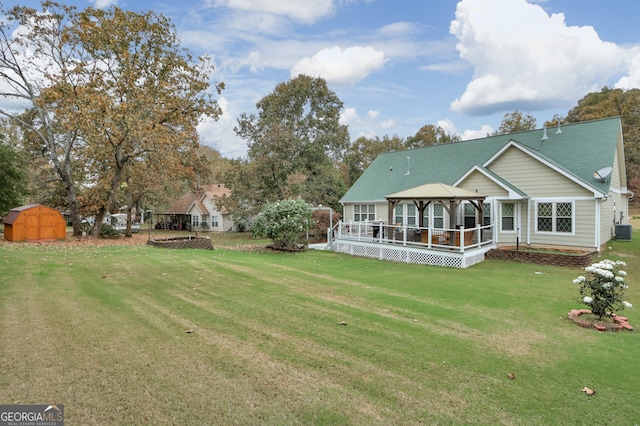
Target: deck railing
<point>460,239</point>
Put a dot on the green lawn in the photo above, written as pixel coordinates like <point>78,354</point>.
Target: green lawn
<point>307,338</point>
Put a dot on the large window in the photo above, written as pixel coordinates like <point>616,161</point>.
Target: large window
<point>214,221</point>
<point>364,212</point>
<point>508,217</point>
<point>405,213</point>
<point>555,217</point>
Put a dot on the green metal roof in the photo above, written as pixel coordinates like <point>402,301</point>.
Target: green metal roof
<point>580,150</point>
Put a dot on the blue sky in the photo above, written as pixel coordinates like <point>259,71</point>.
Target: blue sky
<point>400,64</point>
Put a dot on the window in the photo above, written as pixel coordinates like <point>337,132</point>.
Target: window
<point>555,217</point>
<point>405,211</point>
<point>469,215</point>
<point>411,214</point>
<point>507,218</point>
<point>214,221</point>
<point>398,215</point>
<point>195,221</point>
<point>486,214</point>
<point>364,212</point>
<point>438,216</point>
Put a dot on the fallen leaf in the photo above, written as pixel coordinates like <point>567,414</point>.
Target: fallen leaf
<point>189,331</point>
<point>342,323</point>
<point>511,376</point>
<point>588,391</point>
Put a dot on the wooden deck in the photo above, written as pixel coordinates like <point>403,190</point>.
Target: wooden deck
<point>459,248</point>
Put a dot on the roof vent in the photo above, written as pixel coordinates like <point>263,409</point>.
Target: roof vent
<point>544,134</point>
<point>559,130</point>
<point>408,166</point>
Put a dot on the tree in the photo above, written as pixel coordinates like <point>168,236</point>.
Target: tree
<point>516,121</point>
<point>34,52</point>
<point>13,182</point>
<point>143,102</point>
<point>364,150</point>
<point>429,135</point>
<point>284,222</point>
<point>295,143</point>
<point>105,91</point>
<point>616,102</point>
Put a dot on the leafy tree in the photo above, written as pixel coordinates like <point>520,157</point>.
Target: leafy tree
<point>284,222</point>
<point>516,121</point>
<point>13,182</point>
<point>106,90</point>
<point>295,140</point>
<point>610,103</point>
<point>30,59</point>
<point>430,135</point>
<point>144,101</point>
<point>364,150</point>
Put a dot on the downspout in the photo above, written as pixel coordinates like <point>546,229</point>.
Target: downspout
<point>598,239</point>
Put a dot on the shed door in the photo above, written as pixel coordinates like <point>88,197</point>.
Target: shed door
<point>47,226</point>
<point>31,226</point>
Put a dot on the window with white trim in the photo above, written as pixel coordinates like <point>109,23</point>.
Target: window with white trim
<point>214,221</point>
<point>438,215</point>
<point>405,213</point>
<point>507,216</point>
<point>486,214</point>
<point>364,212</point>
<point>195,220</point>
<point>554,217</point>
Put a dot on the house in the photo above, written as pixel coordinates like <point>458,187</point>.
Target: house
<point>198,210</point>
<point>34,222</point>
<point>564,187</point>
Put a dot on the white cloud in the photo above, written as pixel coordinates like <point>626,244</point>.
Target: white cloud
<point>341,66</point>
<point>450,128</point>
<point>307,11</point>
<point>632,79</point>
<point>524,58</point>
<point>365,125</point>
<point>102,4</point>
<point>476,134</point>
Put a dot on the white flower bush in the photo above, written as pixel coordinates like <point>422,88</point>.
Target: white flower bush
<point>284,222</point>
<point>602,289</point>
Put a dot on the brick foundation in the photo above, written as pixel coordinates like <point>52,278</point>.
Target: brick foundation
<point>543,258</point>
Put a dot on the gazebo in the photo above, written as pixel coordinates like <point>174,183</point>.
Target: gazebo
<point>451,245</point>
<point>449,196</point>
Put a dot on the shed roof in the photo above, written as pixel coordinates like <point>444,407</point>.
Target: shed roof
<point>15,213</point>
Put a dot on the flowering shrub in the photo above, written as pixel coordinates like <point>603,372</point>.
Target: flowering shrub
<point>283,222</point>
<point>602,289</point>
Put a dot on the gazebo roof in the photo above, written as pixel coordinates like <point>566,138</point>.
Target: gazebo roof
<point>435,191</point>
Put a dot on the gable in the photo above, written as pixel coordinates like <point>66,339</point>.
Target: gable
<point>478,182</point>
<point>535,177</point>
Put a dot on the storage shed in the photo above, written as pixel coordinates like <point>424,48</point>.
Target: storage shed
<point>34,222</point>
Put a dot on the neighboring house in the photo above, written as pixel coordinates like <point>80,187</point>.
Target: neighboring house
<point>198,210</point>
<point>561,187</point>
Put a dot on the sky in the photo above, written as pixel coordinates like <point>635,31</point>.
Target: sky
<point>398,65</point>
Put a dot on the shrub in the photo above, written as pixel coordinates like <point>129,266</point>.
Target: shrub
<point>107,232</point>
<point>602,289</point>
<point>284,222</point>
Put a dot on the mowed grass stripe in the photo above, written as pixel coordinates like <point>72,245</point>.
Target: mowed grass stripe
<point>267,346</point>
